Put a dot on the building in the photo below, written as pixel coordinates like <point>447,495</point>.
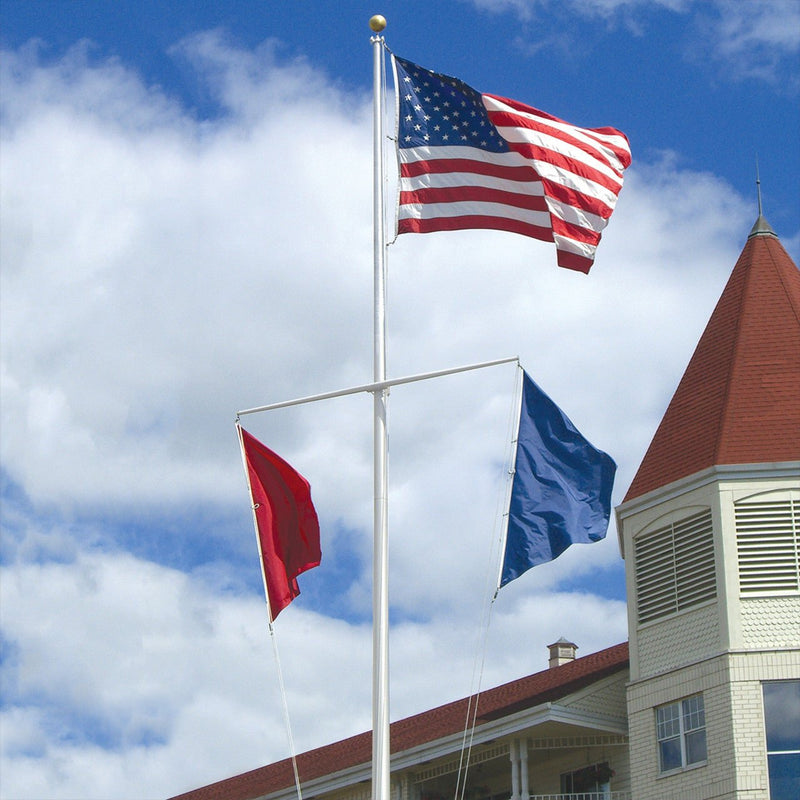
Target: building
<point>704,700</point>
<point>710,532</point>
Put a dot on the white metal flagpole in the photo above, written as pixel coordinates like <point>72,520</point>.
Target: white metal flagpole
<point>512,469</point>
<point>373,387</point>
<point>381,786</point>
<point>380,568</point>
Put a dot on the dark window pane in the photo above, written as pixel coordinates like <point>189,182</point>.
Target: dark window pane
<point>670,751</point>
<point>695,747</point>
<point>782,715</point>
<point>784,776</point>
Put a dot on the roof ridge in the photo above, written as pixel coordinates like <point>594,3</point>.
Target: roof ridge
<point>736,342</point>
<point>783,278</point>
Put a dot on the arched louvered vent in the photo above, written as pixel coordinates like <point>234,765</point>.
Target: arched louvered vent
<point>675,567</point>
<point>768,543</point>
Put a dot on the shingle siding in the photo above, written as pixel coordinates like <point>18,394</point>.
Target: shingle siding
<point>685,637</point>
<point>783,614</point>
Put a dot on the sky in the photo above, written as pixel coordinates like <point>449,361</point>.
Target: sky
<point>186,218</point>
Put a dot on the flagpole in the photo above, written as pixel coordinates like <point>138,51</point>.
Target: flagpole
<point>380,568</point>
<point>373,387</point>
<point>511,470</point>
<point>255,522</point>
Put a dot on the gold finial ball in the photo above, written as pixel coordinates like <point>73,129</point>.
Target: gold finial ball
<point>377,23</point>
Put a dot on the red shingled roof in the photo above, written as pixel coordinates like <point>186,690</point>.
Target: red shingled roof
<point>739,399</point>
<point>542,687</point>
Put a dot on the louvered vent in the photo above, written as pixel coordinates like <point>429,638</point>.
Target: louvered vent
<point>675,567</point>
<point>768,543</point>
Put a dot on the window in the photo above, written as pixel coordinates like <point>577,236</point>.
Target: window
<point>675,567</point>
<point>588,783</point>
<point>681,730</point>
<point>782,722</point>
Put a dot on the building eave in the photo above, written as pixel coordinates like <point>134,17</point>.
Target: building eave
<point>502,710</point>
<point>663,494</point>
<point>485,733</point>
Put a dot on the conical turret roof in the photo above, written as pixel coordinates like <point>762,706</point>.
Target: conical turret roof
<point>739,399</point>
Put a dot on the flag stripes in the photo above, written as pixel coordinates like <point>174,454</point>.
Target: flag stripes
<point>472,221</point>
<point>481,161</point>
<point>446,189</point>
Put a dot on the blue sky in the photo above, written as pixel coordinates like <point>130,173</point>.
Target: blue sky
<point>186,218</point>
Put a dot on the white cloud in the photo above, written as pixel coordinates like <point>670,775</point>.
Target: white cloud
<point>121,667</point>
<point>123,673</point>
<point>773,23</point>
<point>156,281</point>
<point>604,8</point>
<point>752,39</point>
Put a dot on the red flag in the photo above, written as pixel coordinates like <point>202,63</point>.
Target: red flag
<point>288,528</point>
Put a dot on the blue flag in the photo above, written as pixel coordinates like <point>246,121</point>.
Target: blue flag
<point>561,492</point>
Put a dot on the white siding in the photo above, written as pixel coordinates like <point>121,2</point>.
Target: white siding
<point>731,687</point>
<point>675,641</point>
<point>783,629</point>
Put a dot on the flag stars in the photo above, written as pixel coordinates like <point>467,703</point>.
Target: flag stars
<point>441,110</point>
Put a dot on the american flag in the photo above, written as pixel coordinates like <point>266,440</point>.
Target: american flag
<point>472,160</point>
